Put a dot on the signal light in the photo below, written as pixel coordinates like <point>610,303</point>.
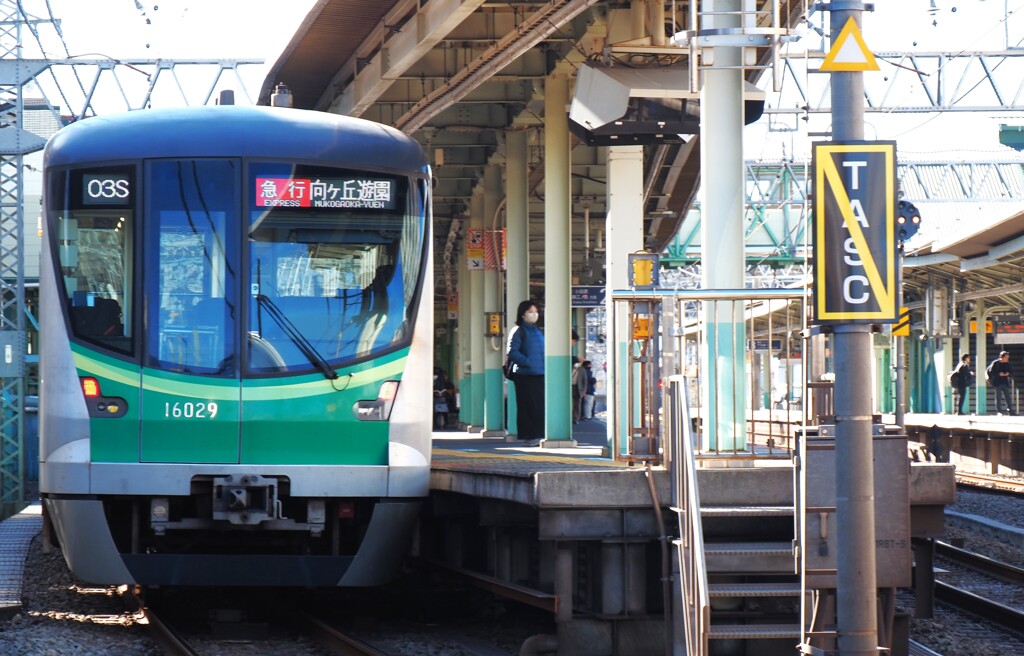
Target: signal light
<point>908,220</point>
<point>91,387</point>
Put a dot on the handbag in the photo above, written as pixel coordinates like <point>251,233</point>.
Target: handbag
<point>510,367</point>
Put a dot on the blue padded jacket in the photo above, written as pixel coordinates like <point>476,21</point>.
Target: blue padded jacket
<point>527,350</point>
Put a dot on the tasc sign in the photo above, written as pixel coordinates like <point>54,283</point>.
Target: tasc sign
<point>855,249</point>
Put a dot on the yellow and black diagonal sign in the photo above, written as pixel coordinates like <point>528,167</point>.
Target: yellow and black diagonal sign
<point>855,274</point>
<point>902,326</point>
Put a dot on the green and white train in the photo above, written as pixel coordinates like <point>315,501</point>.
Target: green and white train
<point>236,355</point>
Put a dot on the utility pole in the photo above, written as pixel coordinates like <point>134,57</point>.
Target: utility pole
<point>856,602</point>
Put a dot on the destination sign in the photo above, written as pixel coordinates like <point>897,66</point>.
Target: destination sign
<point>333,193</point>
<point>106,189</point>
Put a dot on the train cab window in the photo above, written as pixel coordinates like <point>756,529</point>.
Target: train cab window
<point>93,219</point>
<point>190,278</point>
<point>334,260</point>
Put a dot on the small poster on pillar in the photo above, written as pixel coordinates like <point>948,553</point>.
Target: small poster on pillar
<point>854,238</point>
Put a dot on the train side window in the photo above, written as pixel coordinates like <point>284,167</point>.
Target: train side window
<point>94,223</point>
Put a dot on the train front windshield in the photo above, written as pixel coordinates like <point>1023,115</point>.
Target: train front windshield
<point>333,260</point>
<point>322,270</point>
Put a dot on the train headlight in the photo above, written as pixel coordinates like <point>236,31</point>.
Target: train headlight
<point>378,409</point>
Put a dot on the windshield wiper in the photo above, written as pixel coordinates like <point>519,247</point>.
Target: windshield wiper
<point>296,336</point>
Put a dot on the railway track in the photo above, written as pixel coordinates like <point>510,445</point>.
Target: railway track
<point>174,640</point>
<point>1006,616</point>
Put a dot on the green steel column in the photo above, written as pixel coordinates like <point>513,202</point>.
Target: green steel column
<point>461,375</point>
<point>517,280</point>
<point>494,351</point>
<point>580,322</point>
<point>476,316</point>
<point>981,360</point>
<point>624,236</point>
<point>557,260</point>
<point>965,347</point>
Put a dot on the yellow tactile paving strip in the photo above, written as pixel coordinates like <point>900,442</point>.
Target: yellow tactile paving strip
<point>517,463</point>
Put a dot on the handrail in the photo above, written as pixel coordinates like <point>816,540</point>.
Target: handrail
<point>692,563</point>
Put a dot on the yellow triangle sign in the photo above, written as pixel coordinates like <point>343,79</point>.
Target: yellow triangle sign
<point>849,52</point>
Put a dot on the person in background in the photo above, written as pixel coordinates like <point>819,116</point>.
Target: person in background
<point>526,351</point>
<point>445,388</point>
<point>961,380</point>
<point>1000,374</point>
<point>579,390</point>
<point>591,393</point>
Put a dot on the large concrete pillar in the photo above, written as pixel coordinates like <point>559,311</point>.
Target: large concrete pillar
<point>517,212</point>
<point>557,262</point>
<point>494,349</point>
<point>476,320</point>
<point>723,387</point>
<point>625,230</point>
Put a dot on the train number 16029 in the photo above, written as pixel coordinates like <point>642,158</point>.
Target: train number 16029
<point>189,410</point>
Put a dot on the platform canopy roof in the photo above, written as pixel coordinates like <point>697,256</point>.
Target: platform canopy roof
<point>457,75</point>
<point>987,264</point>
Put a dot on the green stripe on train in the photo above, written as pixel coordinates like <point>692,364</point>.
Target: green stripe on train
<point>185,418</point>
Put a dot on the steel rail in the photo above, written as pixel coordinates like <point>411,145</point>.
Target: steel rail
<point>338,641</point>
<point>543,600</point>
<point>168,640</point>
<point>980,563</point>
<point>1006,617</point>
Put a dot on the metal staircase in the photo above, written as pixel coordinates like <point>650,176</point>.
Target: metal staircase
<point>739,566</point>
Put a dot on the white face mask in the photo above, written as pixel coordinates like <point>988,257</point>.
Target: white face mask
<point>531,317</point>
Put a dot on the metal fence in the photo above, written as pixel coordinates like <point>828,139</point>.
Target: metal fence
<point>741,356</point>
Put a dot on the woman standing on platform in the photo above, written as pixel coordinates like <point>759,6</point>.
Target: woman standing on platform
<point>526,350</point>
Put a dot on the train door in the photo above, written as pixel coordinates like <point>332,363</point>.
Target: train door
<point>190,387</point>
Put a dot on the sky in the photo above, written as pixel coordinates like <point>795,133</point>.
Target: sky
<point>917,26</point>
<point>155,29</point>
<point>169,29</point>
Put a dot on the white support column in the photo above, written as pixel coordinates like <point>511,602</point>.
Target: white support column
<point>494,351</point>
<point>625,229</point>
<point>723,388</point>
<point>517,279</point>
<point>557,263</point>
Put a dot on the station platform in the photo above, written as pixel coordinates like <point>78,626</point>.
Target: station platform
<point>16,533</point>
<point>582,477</point>
<point>589,532</point>
<point>976,444</point>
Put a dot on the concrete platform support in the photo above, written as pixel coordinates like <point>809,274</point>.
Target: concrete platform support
<point>564,577</point>
<point>613,578</point>
<point>625,236</point>
<point>924,578</point>
<point>723,388</point>
<point>517,208</point>
<point>494,350</point>
<point>557,263</point>
<point>477,343</point>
